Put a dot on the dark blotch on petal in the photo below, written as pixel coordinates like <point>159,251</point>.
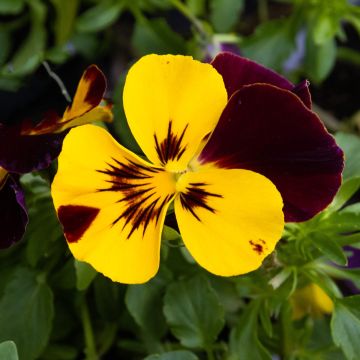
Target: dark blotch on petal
<point>238,71</point>
<point>13,214</point>
<point>26,153</point>
<point>97,87</point>
<point>257,246</point>
<point>171,148</point>
<point>76,219</point>
<point>196,196</point>
<point>270,131</point>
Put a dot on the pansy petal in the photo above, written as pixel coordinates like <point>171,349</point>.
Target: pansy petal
<point>269,130</point>
<point>171,104</point>
<point>111,204</point>
<point>230,220</point>
<point>13,214</point>
<point>100,113</point>
<point>89,93</point>
<point>238,71</point>
<point>25,153</point>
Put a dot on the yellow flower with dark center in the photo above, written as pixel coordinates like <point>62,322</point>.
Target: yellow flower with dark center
<point>112,203</point>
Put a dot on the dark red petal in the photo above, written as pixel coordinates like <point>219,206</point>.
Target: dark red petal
<point>89,93</point>
<point>238,71</point>
<point>13,214</point>
<point>270,131</point>
<point>76,219</point>
<point>25,153</point>
<point>96,90</point>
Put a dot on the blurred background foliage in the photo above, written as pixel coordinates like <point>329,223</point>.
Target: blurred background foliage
<point>55,308</point>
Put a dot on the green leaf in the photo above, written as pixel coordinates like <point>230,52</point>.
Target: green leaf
<point>350,144</point>
<point>244,342</point>
<point>99,17</point>
<point>225,14</point>
<point>343,273</point>
<point>143,301</point>
<point>5,45</point>
<point>108,296</point>
<point>85,274</point>
<point>174,355</point>
<point>324,19</point>
<point>196,7</point>
<point>43,232</point>
<point>324,29</point>
<point>169,234</point>
<point>151,5</point>
<point>11,7</point>
<point>347,220</point>
<point>86,44</point>
<point>319,59</point>
<point>30,53</point>
<point>345,326</point>
<point>60,352</point>
<point>267,37</point>
<point>27,310</point>
<point>193,312</point>
<point>8,351</point>
<point>324,281</point>
<point>156,36</point>
<point>64,21</point>
<point>347,190</point>
<point>330,249</point>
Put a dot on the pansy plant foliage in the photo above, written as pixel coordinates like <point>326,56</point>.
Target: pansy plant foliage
<point>234,145</point>
<point>27,147</point>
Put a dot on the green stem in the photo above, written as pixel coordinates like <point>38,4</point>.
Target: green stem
<point>210,353</point>
<point>90,348</point>
<point>57,80</point>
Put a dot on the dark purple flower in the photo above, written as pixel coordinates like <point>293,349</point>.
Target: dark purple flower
<point>27,147</point>
<point>13,214</point>
<point>268,127</point>
<point>214,49</point>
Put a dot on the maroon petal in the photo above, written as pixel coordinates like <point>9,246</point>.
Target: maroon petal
<point>238,71</point>
<point>25,153</point>
<point>13,214</point>
<point>270,131</point>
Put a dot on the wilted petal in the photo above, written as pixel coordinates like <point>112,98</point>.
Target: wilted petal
<point>238,71</point>
<point>13,214</point>
<point>269,130</point>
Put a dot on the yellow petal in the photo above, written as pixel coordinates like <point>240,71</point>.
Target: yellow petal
<point>89,93</point>
<point>84,109</point>
<point>230,220</point>
<point>311,299</point>
<point>99,113</point>
<point>111,204</point>
<point>171,104</point>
